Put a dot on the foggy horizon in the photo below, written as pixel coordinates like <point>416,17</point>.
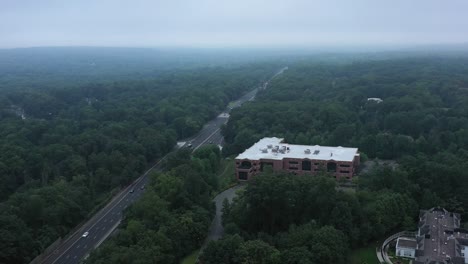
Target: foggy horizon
<point>239,24</point>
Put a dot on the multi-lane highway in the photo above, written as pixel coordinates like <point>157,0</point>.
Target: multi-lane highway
<point>77,246</point>
<point>211,132</point>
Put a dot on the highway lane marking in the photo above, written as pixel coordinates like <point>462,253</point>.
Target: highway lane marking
<point>78,246</point>
<point>85,246</point>
<point>68,256</point>
<point>207,139</point>
<point>124,193</point>
<point>112,220</point>
<point>94,237</point>
<point>95,223</point>
<point>105,220</point>
<point>111,205</point>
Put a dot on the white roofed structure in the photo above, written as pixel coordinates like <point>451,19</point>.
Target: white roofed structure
<point>257,151</point>
<point>298,159</point>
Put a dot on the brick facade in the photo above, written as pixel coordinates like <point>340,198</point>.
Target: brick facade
<point>246,169</point>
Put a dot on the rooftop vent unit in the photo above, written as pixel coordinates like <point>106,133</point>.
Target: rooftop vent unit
<point>307,151</point>
<point>264,150</point>
<point>269,146</point>
<point>316,152</point>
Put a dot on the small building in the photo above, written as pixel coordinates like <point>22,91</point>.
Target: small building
<point>375,99</point>
<point>273,154</point>
<point>406,247</point>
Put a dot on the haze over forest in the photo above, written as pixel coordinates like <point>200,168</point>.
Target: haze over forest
<point>242,23</point>
<point>132,115</point>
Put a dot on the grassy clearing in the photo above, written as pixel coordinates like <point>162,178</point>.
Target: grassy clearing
<point>190,259</point>
<point>226,174</point>
<point>395,259</point>
<point>364,255</point>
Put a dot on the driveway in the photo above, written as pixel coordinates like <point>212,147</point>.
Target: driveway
<point>216,228</point>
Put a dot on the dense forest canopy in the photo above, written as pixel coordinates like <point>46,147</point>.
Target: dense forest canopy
<point>51,67</point>
<point>421,124</point>
<point>64,149</point>
<point>38,68</point>
<point>70,137</point>
<point>283,218</point>
<point>422,121</point>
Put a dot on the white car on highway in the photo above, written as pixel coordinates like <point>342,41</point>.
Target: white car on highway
<point>85,234</point>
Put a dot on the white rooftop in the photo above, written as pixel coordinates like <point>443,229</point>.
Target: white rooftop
<point>375,99</point>
<point>272,148</point>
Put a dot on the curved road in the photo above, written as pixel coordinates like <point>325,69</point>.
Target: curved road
<point>216,228</point>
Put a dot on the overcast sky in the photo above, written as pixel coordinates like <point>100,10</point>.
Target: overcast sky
<point>209,23</point>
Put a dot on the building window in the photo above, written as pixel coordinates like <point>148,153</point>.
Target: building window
<point>331,167</point>
<point>293,168</point>
<point>306,165</point>
<point>243,175</point>
<point>293,162</point>
<point>345,165</point>
<point>266,166</point>
<point>245,165</point>
<point>343,171</point>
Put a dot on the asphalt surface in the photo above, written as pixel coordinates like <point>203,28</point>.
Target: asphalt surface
<point>211,131</point>
<point>101,225</point>
<point>216,228</point>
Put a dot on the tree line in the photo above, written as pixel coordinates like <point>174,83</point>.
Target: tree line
<point>283,218</point>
